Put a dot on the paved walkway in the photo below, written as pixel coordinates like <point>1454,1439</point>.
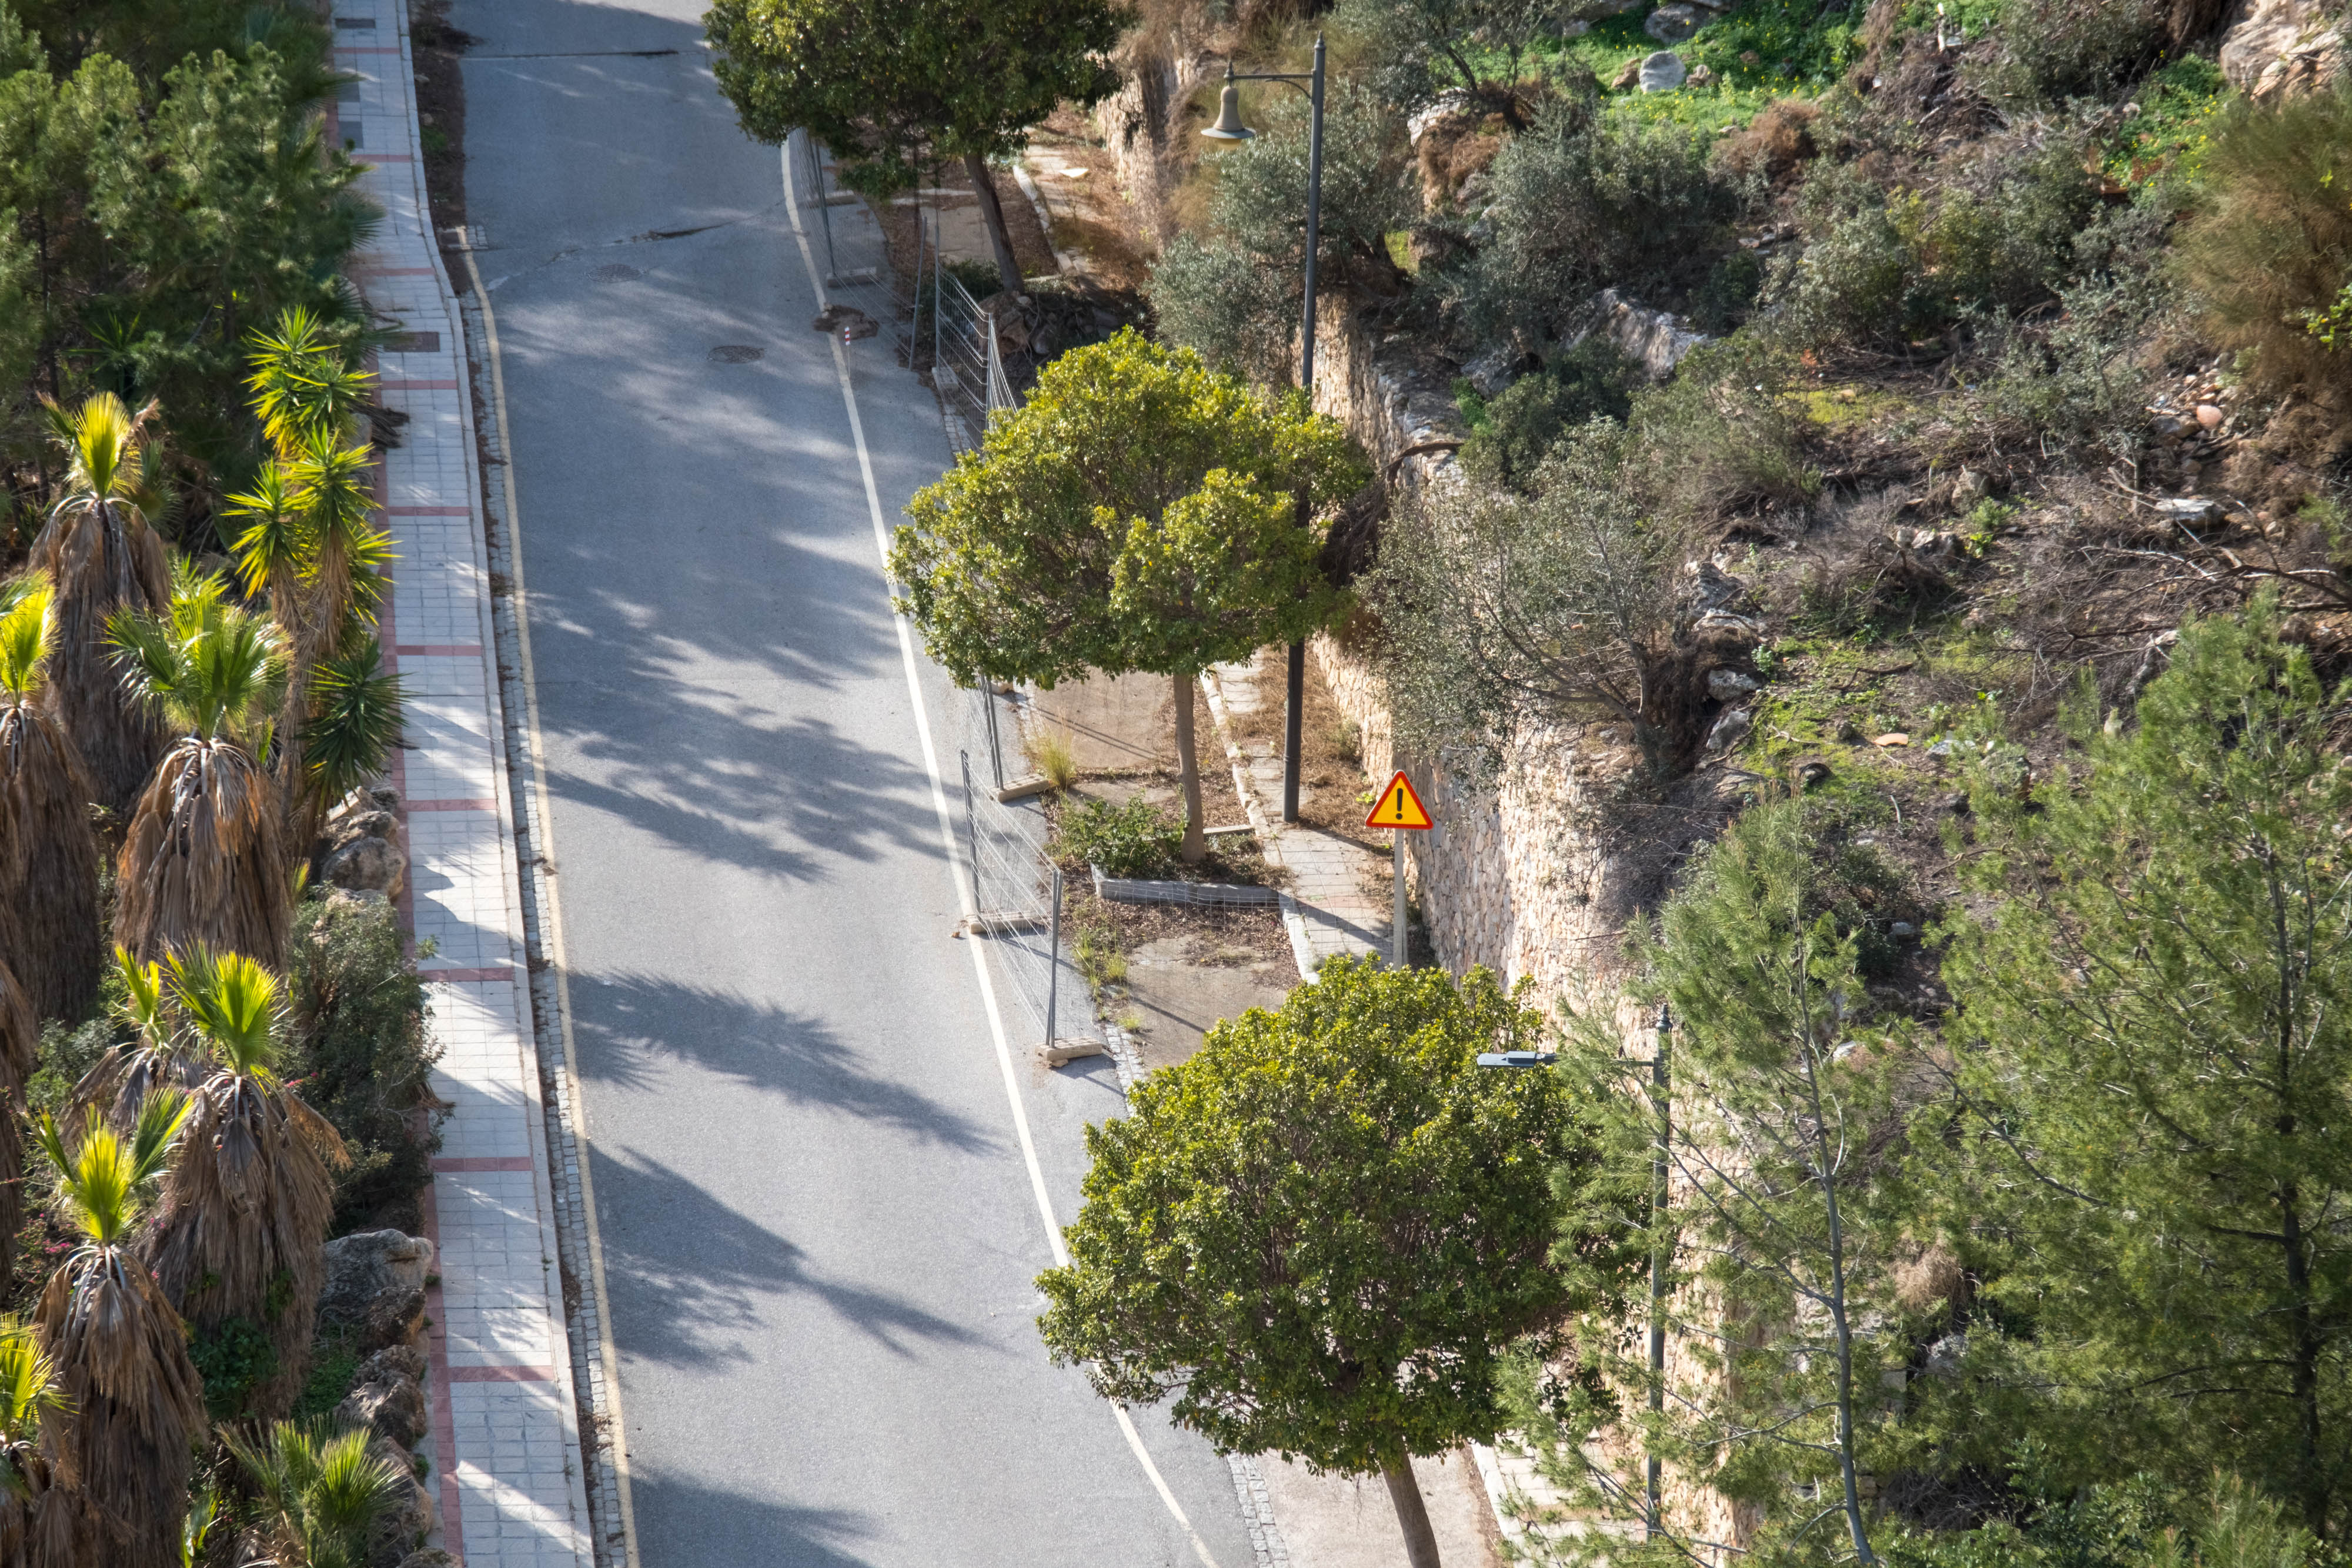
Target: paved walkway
<point>1330,909</point>
<point>505,1443</point>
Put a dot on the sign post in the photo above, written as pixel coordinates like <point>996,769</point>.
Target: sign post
<point>1400,809</point>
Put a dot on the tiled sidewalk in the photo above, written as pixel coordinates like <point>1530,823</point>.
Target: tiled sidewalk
<point>505,1438</point>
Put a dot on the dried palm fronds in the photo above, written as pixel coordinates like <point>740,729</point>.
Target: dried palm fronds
<point>101,555</point>
<point>48,853</point>
<point>245,1207</point>
<point>205,860</point>
<point>119,1491</point>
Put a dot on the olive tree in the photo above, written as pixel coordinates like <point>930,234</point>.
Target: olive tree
<point>1322,1231</point>
<point>1139,513</point>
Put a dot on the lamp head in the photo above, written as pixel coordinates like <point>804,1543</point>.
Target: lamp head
<point>1229,126</point>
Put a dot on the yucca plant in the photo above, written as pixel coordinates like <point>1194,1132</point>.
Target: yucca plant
<point>103,555</point>
<point>355,722</point>
<point>307,388</point>
<point>205,859</point>
<point>345,575</point>
<point>48,853</point>
<point>245,1207</point>
<point>119,1493</point>
<point>319,1491</point>
<point>32,1411</point>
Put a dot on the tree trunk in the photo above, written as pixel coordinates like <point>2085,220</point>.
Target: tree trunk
<point>1007,269</point>
<point>1413,1517</point>
<point>1188,763</point>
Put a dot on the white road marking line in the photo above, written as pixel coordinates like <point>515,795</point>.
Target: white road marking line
<point>546,847</point>
<point>948,839</point>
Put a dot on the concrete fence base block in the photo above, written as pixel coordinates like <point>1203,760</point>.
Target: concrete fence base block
<point>1062,1053</point>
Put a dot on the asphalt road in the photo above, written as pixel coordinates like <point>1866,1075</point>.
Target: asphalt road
<point>819,1230</point>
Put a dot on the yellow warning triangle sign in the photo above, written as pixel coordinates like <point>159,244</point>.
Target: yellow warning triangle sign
<point>1398,807</point>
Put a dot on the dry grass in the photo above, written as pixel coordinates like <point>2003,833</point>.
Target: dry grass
<point>1049,751</point>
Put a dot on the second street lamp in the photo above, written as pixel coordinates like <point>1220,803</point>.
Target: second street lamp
<point>1229,128</point>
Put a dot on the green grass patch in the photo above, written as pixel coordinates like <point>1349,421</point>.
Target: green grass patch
<point>1852,407</point>
<point>1758,52</point>
<point>2173,128</point>
<point>333,1364</point>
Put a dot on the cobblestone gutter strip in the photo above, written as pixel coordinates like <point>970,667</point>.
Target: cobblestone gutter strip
<point>611,1528</point>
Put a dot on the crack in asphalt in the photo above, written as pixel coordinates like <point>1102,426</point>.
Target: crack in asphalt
<point>643,236</point>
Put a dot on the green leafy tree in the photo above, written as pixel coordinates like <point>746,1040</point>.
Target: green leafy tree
<point>2157,1048</point>
<point>1751,1129</point>
<point>890,85</point>
<point>1481,49</point>
<point>1321,1231</point>
<point>1138,512</point>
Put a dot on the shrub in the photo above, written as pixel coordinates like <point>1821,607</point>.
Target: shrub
<point>1585,201</point>
<point>1133,839</point>
<point>362,1054</point>
<point>1886,269</point>
<point>1594,380</point>
<point>2272,242</point>
<point>2051,50</point>
<point>1050,753</point>
<point>1724,434</point>
<point>1505,612</point>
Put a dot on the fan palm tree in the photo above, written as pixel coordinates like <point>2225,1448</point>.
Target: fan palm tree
<point>20,1038</point>
<point>245,1207</point>
<point>205,860</point>
<point>119,1493</point>
<point>348,553</point>
<point>101,555</point>
<point>32,1410</point>
<point>48,853</point>
<point>319,1492</point>
<point>158,1055</point>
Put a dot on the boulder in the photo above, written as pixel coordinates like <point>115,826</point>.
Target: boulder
<point>2278,47</point>
<point>1664,71</point>
<point>1657,340</point>
<point>402,1527</point>
<point>1729,730</point>
<point>1728,685</point>
<point>374,1290</point>
<point>1674,21</point>
<point>393,1408</point>
<point>366,864</point>
<point>393,1361</point>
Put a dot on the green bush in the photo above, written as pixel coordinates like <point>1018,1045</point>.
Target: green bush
<point>2052,50</point>
<point>1585,201</point>
<point>361,1052</point>
<point>1593,380</point>
<point>1885,269</point>
<point>1134,838</point>
<point>233,1357</point>
<point>1723,433</point>
<point>2272,242</point>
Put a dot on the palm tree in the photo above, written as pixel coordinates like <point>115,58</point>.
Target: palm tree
<point>20,1038</point>
<point>157,1056</point>
<point>307,388</point>
<point>205,860</point>
<point>119,1493</point>
<point>48,853</point>
<point>347,552</point>
<point>354,724</point>
<point>103,557</point>
<point>245,1211</point>
<point>32,1410</point>
<point>319,1491</point>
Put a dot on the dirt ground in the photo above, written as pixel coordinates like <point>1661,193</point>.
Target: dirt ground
<point>441,115</point>
<point>1329,764</point>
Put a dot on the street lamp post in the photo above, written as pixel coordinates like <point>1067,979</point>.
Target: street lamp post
<point>1229,128</point>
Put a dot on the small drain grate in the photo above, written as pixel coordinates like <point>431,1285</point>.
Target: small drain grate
<point>734,354</point>
<point>617,272</point>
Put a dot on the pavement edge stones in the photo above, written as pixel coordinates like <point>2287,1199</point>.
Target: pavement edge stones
<point>503,1418</point>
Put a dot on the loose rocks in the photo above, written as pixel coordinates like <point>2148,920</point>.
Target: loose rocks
<point>1664,71</point>
<point>375,1288</point>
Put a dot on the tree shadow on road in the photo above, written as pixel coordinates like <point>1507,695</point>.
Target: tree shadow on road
<point>705,1524</point>
<point>625,1024</point>
<point>692,1279</point>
